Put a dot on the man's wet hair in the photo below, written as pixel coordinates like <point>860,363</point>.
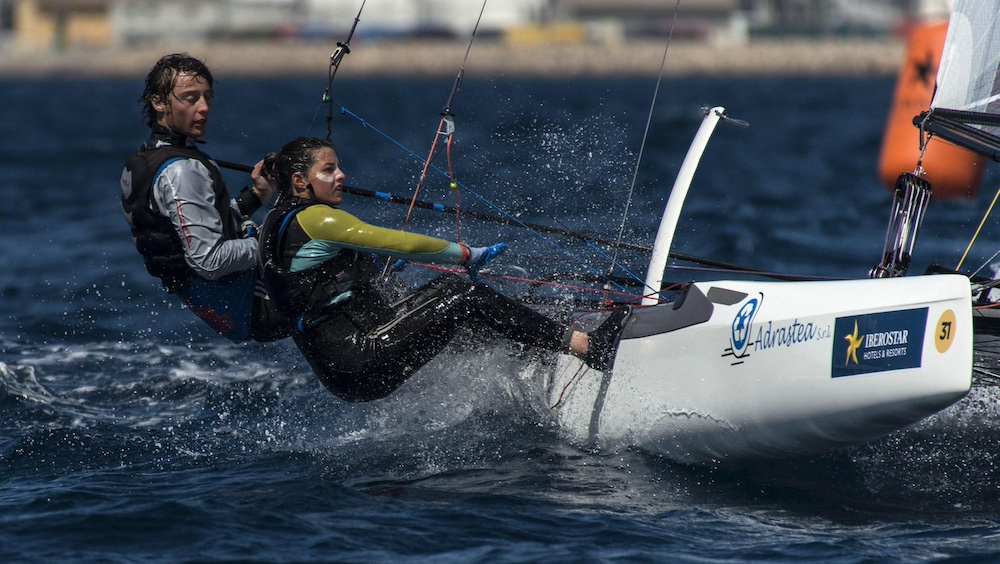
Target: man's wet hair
<point>163,76</point>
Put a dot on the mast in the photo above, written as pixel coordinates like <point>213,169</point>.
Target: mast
<point>671,214</point>
<point>343,48</point>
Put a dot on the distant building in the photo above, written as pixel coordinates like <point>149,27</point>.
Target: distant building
<point>454,18</point>
<point>831,17</point>
<point>88,24</point>
<point>6,19</point>
<point>138,21</point>
<point>60,24</point>
<point>713,20</point>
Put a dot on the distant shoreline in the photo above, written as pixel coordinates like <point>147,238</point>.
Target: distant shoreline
<point>486,59</point>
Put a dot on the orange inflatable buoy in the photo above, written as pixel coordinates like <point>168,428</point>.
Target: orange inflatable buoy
<point>951,170</point>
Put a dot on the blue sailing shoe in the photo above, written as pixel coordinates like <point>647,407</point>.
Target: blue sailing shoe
<point>479,256</point>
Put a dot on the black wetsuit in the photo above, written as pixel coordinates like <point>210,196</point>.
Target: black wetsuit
<point>318,269</point>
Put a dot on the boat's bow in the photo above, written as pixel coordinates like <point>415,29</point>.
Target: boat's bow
<point>741,369</point>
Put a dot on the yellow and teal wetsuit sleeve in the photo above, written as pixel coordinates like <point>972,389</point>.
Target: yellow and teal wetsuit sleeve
<point>330,230</point>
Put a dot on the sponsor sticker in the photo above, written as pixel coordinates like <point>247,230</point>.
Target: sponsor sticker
<point>747,333</point>
<point>878,342</point>
<point>944,336</point>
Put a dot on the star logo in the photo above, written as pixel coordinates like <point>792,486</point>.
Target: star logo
<point>741,326</point>
<point>853,343</point>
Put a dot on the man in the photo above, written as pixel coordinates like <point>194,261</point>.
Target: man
<point>190,233</point>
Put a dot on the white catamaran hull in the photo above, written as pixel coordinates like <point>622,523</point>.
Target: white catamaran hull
<point>740,369</point>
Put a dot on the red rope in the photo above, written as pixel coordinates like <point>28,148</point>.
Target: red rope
<point>573,380</point>
<point>423,175</point>
<point>445,127</point>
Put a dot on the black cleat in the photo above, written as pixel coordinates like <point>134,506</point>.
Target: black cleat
<point>603,341</point>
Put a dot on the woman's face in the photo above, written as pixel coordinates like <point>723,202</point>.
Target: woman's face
<point>325,177</point>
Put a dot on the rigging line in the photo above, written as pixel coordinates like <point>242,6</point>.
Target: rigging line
<point>533,281</point>
<point>347,112</point>
<point>447,127</point>
<point>481,198</point>
<point>450,124</point>
<point>989,210</point>
<point>504,218</point>
<point>508,217</point>
<point>645,135</point>
<point>536,233</point>
<point>985,264</point>
<point>461,71</point>
<point>588,239</point>
<point>478,196</point>
<point>487,172</point>
<point>618,244</point>
<point>343,48</point>
<point>536,229</point>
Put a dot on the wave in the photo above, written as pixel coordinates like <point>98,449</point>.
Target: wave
<point>169,406</point>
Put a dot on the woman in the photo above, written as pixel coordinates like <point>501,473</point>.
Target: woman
<point>318,268</point>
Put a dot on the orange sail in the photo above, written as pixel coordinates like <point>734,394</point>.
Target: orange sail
<point>952,171</point>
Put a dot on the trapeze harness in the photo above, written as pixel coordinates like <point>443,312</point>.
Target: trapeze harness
<point>318,269</point>
<point>230,305</point>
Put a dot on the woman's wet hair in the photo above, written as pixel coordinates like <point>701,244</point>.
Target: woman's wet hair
<point>163,76</point>
<point>298,155</point>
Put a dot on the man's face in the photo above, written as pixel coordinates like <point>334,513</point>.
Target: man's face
<point>186,109</point>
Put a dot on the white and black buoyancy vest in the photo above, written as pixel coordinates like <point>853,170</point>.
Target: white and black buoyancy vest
<point>153,233</point>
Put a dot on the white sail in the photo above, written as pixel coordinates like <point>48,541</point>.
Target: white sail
<point>967,75</point>
<point>968,79</point>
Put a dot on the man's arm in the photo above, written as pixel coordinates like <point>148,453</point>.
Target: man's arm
<point>183,192</point>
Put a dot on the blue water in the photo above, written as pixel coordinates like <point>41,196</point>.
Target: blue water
<point>131,433</point>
